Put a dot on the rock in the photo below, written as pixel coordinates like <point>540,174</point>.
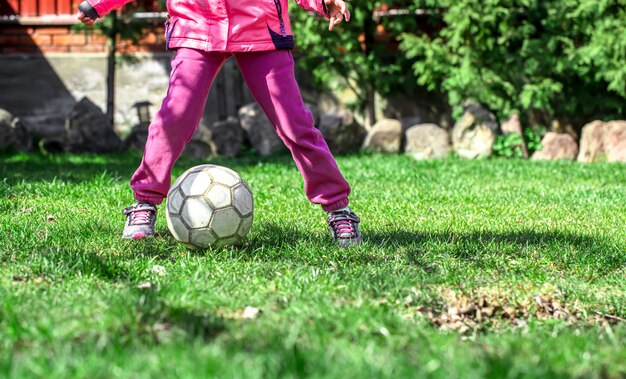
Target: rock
<point>201,143</point>
<point>227,137</point>
<point>260,130</point>
<point>425,141</point>
<point>342,133</point>
<point>410,121</point>
<point>474,134</point>
<point>557,146</point>
<point>603,140</point>
<point>514,126</point>
<point>136,139</point>
<point>13,134</point>
<point>88,130</point>
<point>315,112</point>
<point>385,136</point>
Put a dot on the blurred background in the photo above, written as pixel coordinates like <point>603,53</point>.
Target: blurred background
<point>511,79</point>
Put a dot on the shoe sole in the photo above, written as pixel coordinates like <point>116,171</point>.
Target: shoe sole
<point>138,236</point>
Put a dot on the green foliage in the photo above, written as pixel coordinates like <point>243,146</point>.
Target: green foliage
<point>550,59</point>
<point>366,61</point>
<point>508,146</point>
<point>533,137</point>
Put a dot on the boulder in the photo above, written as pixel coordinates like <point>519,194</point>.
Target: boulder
<point>260,130</point>
<point>13,134</point>
<point>385,136</point>
<point>341,133</point>
<point>88,130</point>
<point>227,137</point>
<point>426,141</point>
<point>474,134</point>
<point>136,139</point>
<point>201,143</point>
<point>603,141</point>
<point>557,146</point>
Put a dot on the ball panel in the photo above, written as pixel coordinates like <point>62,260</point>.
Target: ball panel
<point>244,226</point>
<point>177,227</point>
<point>196,212</point>
<point>187,172</point>
<point>203,238</point>
<point>219,196</point>
<point>242,199</point>
<point>196,183</point>
<point>174,200</point>
<point>224,175</point>
<point>225,222</point>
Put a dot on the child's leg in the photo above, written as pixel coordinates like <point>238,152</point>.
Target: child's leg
<point>270,78</point>
<point>193,72</point>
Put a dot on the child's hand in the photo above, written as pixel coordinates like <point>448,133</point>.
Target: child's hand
<point>337,10</point>
<point>84,19</point>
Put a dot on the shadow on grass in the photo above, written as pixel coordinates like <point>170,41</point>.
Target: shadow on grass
<point>561,248</point>
<point>77,168</point>
<point>160,320</point>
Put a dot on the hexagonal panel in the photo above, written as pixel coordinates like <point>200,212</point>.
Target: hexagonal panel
<point>245,226</point>
<point>174,200</point>
<point>219,196</point>
<point>225,222</point>
<point>224,175</point>
<point>242,199</point>
<point>196,212</point>
<point>203,238</point>
<point>177,228</point>
<point>196,183</point>
<point>179,180</point>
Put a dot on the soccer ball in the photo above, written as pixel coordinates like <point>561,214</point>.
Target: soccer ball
<point>209,206</point>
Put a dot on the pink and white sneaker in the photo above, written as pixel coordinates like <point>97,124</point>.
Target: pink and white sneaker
<point>140,220</point>
<point>344,226</point>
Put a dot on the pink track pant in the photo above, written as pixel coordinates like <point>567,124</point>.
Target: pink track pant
<point>270,78</point>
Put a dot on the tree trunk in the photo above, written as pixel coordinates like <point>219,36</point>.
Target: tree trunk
<point>369,28</point>
<point>370,109</point>
<point>110,112</point>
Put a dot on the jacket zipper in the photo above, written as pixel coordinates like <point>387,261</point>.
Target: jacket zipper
<point>169,28</point>
<point>279,9</point>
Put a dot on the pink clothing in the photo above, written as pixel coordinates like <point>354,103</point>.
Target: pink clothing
<point>271,80</point>
<point>226,25</point>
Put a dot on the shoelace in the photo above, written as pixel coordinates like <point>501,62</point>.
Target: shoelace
<point>343,226</point>
<point>140,217</point>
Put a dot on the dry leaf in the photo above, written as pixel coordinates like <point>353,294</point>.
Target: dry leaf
<point>159,270</point>
<point>144,286</point>
<point>250,313</point>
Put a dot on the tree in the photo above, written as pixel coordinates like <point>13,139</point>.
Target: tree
<point>363,52</point>
<point>115,26</point>
<point>554,59</point>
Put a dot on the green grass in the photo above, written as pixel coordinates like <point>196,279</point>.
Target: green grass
<point>440,236</point>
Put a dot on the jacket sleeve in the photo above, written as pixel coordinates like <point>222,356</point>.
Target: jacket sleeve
<point>103,7</point>
<point>317,6</point>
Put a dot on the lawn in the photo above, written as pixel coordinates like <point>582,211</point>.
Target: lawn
<point>469,269</point>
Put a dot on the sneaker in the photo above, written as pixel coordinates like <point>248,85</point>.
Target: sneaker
<point>140,220</point>
<point>344,226</point>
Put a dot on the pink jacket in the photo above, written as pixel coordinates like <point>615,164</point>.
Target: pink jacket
<point>226,25</point>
